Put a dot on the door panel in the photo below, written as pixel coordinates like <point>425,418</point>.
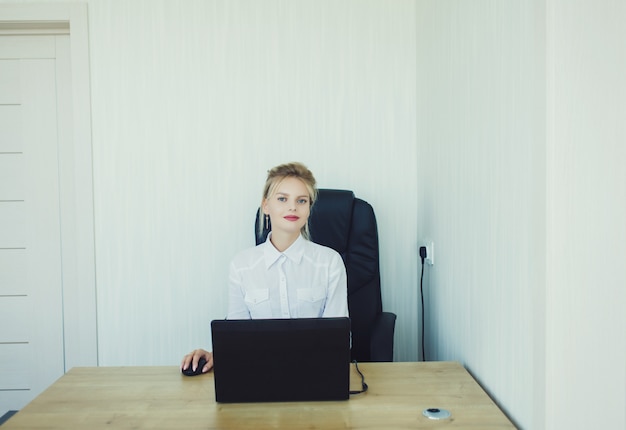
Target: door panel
<point>13,308</point>
<point>10,137</point>
<point>13,231</point>
<point>14,265</point>
<point>11,166</point>
<point>31,301</point>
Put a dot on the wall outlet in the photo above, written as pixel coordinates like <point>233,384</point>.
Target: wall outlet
<point>430,252</point>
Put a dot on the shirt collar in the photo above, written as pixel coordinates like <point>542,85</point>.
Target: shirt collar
<point>294,252</point>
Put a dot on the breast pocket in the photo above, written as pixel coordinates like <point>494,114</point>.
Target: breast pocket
<point>311,302</point>
<point>258,302</point>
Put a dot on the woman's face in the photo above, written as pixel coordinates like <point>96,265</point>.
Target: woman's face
<point>289,207</point>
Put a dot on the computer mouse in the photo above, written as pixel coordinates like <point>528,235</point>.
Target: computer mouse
<point>190,371</point>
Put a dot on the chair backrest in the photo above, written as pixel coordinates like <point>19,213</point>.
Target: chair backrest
<point>347,224</point>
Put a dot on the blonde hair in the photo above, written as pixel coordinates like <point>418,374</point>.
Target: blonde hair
<point>289,170</point>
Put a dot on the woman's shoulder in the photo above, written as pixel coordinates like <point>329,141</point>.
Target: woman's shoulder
<point>313,248</point>
<point>247,255</point>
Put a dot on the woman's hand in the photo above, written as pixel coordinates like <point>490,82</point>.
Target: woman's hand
<point>194,357</point>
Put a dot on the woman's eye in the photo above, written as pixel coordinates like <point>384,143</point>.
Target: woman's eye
<point>303,201</point>
<point>282,199</point>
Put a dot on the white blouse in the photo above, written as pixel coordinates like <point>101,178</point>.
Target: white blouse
<point>305,281</point>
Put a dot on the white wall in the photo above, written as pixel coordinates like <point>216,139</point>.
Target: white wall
<point>481,167</point>
<point>585,289</point>
<point>521,110</point>
<point>192,102</point>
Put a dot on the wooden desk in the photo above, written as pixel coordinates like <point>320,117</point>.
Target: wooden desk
<point>161,398</point>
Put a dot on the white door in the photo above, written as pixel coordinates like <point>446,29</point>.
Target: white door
<point>31,296</point>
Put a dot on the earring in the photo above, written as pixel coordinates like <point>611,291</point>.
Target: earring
<point>267,222</point>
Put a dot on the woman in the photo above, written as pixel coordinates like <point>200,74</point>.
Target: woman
<point>287,276</point>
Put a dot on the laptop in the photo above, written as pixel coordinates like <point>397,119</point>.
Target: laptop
<point>281,360</point>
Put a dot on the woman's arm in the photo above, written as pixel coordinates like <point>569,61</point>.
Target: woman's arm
<point>237,308</point>
<point>337,293</point>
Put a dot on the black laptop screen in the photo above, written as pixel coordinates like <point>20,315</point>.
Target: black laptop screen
<point>281,359</point>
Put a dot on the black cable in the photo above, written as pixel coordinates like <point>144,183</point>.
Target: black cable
<point>423,257</point>
<point>363,384</point>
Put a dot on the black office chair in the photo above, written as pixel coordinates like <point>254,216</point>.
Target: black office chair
<point>348,225</point>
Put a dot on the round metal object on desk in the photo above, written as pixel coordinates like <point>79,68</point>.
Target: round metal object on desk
<point>436,413</point>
